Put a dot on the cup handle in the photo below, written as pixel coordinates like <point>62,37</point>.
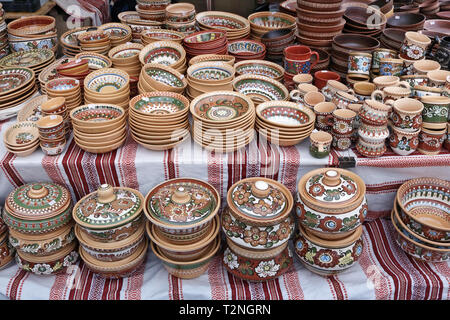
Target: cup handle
<point>404,84</point>
<point>377,93</point>
<point>390,102</point>
<point>295,95</point>
<point>314,53</point>
<point>351,91</point>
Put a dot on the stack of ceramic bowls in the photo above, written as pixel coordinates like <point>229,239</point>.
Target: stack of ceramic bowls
<point>50,72</point>
<point>108,85</point>
<point>67,88</point>
<point>152,10</point>
<point>247,50</point>
<point>7,251</point>
<point>206,77</point>
<point>157,77</point>
<point>406,21</point>
<point>205,42</point>
<point>95,41</point>
<point>52,134</point>
<point>258,225</point>
<point>364,19</point>
<point>14,93</point>
<point>330,238</point>
<point>225,58</point>
<point>152,35</point>
<point>57,106</point>
<point>289,7</point>
<point>168,53</point>
<point>237,27</point>
<point>159,120</point>
<point>266,21</point>
<point>223,120</point>
<point>69,41</point>
<point>183,225</point>
<point>110,229</point>
<point>275,42</point>
<point>21,138</point>
<point>39,217</point>
<point>95,60</point>
<point>35,32</point>
<point>4,44</point>
<point>420,220</point>
<point>126,58</point>
<point>284,123</point>
<point>260,68</point>
<point>99,128</point>
<point>180,17</point>
<point>76,69</point>
<point>119,33</point>
<point>392,38</point>
<point>260,88</point>
<point>137,25</point>
<point>318,21</point>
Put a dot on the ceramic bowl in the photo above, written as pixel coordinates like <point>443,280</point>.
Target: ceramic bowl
<point>213,58</point>
<point>205,40</point>
<point>23,77</point>
<point>152,35</point>
<point>260,88</point>
<point>356,42</point>
<point>406,21</point>
<point>260,68</point>
<point>125,54</point>
<point>107,81</point>
<point>162,105</point>
<point>163,52</point>
<point>34,25</point>
<point>95,61</point>
<point>211,73</point>
<point>164,78</point>
<point>243,48</point>
<point>21,134</point>
<point>93,115</point>
<point>262,22</point>
<point>116,31</point>
<point>284,114</point>
<point>68,86</point>
<point>232,23</point>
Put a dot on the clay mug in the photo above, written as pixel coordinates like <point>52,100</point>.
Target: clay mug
<point>415,79</point>
<point>359,63</point>
<point>302,89</point>
<point>333,86</point>
<point>408,66</point>
<point>320,144</point>
<point>341,142</point>
<point>438,78</point>
<point>342,99</point>
<point>297,66</point>
<point>343,121</point>
<point>311,98</point>
<point>381,53</point>
<point>370,149</point>
<point>324,115</point>
<point>389,94</point>
<point>374,112</point>
<point>431,141</point>
<point>321,77</point>
<point>414,45</point>
<point>424,66</point>
<point>297,59</point>
<point>391,67</point>
<point>435,111</point>
<point>363,90</point>
<point>424,91</point>
<point>403,142</point>
<point>407,114</point>
<point>389,81</point>
<point>302,78</point>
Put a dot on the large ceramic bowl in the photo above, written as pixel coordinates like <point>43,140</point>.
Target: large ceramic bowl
<point>406,21</point>
<point>95,61</point>
<point>168,53</point>
<point>34,25</point>
<point>260,88</point>
<point>260,68</point>
<point>213,58</point>
<point>92,115</point>
<point>43,42</point>
<point>356,42</point>
<point>163,105</point>
<point>152,35</point>
<point>21,135</point>
<point>222,20</point>
<point>124,54</point>
<point>285,114</point>
<point>211,73</point>
<point>116,31</point>
<point>14,79</point>
<point>164,78</point>
<point>204,40</point>
<point>268,20</point>
<point>246,48</point>
<point>63,86</point>
<point>107,81</point>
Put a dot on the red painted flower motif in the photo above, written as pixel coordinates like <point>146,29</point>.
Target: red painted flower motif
<point>284,231</point>
<point>357,249</point>
<point>255,237</point>
<point>241,196</point>
<point>393,139</point>
<point>301,212</point>
<point>326,258</point>
<point>226,221</point>
<point>414,143</point>
<point>349,188</point>
<point>432,233</point>
<point>417,121</point>
<point>301,247</point>
<point>316,190</point>
<point>330,223</point>
<point>89,208</point>
<point>363,212</point>
<point>262,208</point>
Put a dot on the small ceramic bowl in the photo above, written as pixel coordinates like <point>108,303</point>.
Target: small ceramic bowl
<point>211,73</point>
<point>93,115</point>
<point>242,48</point>
<point>164,78</point>
<point>424,66</point>
<point>51,127</point>
<point>53,147</point>
<point>260,88</point>
<point>168,53</point>
<point>107,81</point>
<point>152,35</point>
<point>95,61</point>
<point>62,85</point>
<point>260,68</point>
<point>21,135</point>
<point>213,58</point>
<point>162,105</point>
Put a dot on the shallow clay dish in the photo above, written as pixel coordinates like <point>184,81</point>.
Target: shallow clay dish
<point>406,21</point>
<point>168,53</point>
<point>93,115</point>
<point>21,134</point>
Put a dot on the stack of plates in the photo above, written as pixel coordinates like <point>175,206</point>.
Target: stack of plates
<point>4,44</point>
<point>180,17</point>
<point>108,85</point>
<point>50,73</point>
<point>289,7</point>
<point>225,58</point>
<point>223,120</point>
<point>392,38</point>
<point>95,41</point>
<point>206,77</point>
<point>95,61</point>
<point>152,35</point>
<point>99,128</point>
<point>152,11</point>
<point>205,42</point>
<point>276,41</point>
<point>260,68</point>
<point>119,33</point>
<point>247,50</point>
<point>157,77</point>
<point>69,41</point>
<point>264,22</point>
<point>237,27</point>
<point>167,53</point>
<point>67,88</point>
<point>77,69</point>
<point>138,25</point>
<point>17,85</point>
<point>22,138</point>
<point>126,57</point>
<point>260,88</point>
<point>284,123</point>
<point>365,20</point>
<point>159,120</point>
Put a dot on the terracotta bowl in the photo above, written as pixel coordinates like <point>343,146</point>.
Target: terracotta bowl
<point>356,42</point>
<point>406,21</point>
<point>262,22</point>
<point>246,47</point>
<point>164,78</point>
<point>95,61</point>
<point>285,114</point>
<point>260,68</point>
<point>260,88</point>
<point>211,73</point>
<point>321,14</point>
<point>152,35</point>
<point>204,40</point>
<point>359,16</point>
<point>213,58</point>
<point>230,22</point>
<point>161,105</point>
<point>67,86</point>
<point>21,135</point>
<point>107,81</point>
<point>94,115</point>
<point>168,53</point>
<point>34,25</point>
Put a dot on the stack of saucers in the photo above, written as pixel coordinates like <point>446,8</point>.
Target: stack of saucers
<point>39,217</point>
<point>126,58</point>
<point>22,138</point>
<point>183,225</point>
<point>112,237</point>
<point>357,17</point>
<point>284,123</point>
<point>14,93</point>
<point>223,120</point>
<point>205,42</point>
<point>180,17</point>
<point>67,88</point>
<point>119,33</point>
<point>206,77</point>
<point>168,53</point>
<point>264,22</point>
<point>4,44</point>
<point>108,85</point>
<point>276,41</point>
<point>50,72</point>
<point>157,77</point>
<point>95,41</point>
<point>237,27</point>
<point>152,35</point>
<point>159,120</point>
<point>99,128</point>
<point>247,50</point>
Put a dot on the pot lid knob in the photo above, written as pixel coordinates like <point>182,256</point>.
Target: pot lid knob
<point>260,189</point>
<point>332,178</point>
<point>106,194</point>
<point>181,196</point>
<point>37,191</point>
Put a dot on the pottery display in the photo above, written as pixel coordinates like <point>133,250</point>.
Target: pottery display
<point>435,111</point>
<point>119,33</point>
<point>236,27</point>
<point>260,88</point>
<point>205,42</point>
<point>204,77</point>
<point>324,116</point>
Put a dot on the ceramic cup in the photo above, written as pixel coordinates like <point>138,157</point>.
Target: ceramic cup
<point>403,142</point>
<point>53,147</point>
<point>381,53</point>
<point>407,114</point>
<point>333,86</point>
<point>374,112</point>
<point>370,149</point>
<point>414,45</point>
<point>423,91</point>
<point>299,52</point>
<point>390,94</point>
<point>297,66</point>
<point>320,144</point>
<point>391,67</point>
<point>342,99</point>
<point>363,90</point>
<point>415,79</point>
<point>431,141</point>
<point>321,78</point>
<point>302,89</point>
<point>51,127</point>
<point>324,115</point>
<point>343,121</point>
<point>424,66</point>
<point>341,142</point>
<point>355,107</point>
<point>389,81</point>
<point>435,111</point>
<point>302,78</point>
<point>359,63</point>
<point>438,78</point>
<point>312,98</point>
<point>408,66</point>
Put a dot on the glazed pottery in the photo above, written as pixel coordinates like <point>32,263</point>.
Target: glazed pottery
<point>381,53</point>
<point>312,98</point>
<point>373,133</point>
<point>342,142</point>
<point>51,127</point>
<point>332,87</point>
<point>320,144</point>
<point>370,149</point>
<point>374,112</point>
<point>321,78</point>
<point>363,90</point>
<point>302,78</point>
<point>407,114</point>
<point>302,89</point>
<point>391,67</point>
<point>424,66</point>
<point>260,88</point>
<point>389,81</point>
<point>437,78</point>
<point>390,94</point>
<point>53,147</point>
<point>260,68</point>
<point>403,142</point>
<point>359,63</point>
<point>342,121</point>
<point>324,115</point>
<point>435,111</point>
<point>431,141</point>
<point>414,46</point>
<point>21,135</point>
<point>342,99</point>
<point>442,54</point>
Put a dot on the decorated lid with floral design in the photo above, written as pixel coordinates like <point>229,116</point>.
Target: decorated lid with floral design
<point>181,203</point>
<point>108,207</point>
<point>259,200</point>
<point>37,201</point>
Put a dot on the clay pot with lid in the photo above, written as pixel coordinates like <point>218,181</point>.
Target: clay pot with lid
<point>261,208</point>
<point>331,203</point>
<point>109,214</point>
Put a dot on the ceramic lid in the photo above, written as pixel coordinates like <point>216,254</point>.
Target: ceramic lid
<point>259,200</point>
<point>182,203</point>
<point>108,207</point>
<point>37,201</point>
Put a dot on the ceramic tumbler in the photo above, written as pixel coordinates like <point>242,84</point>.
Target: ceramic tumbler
<point>391,67</point>
<point>320,144</point>
<point>342,99</point>
<point>324,115</point>
<point>381,53</point>
<point>438,78</point>
<point>431,140</point>
<point>312,98</point>
<point>343,121</point>
<point>435,111</point>
<point>297,59</point>
<point>403,142</point>
<point>414,45</point>
<point>341,142</point>
<point>321,77</point>
<point>407,114</point>
<point>51,127</point>
<point>359,63</point>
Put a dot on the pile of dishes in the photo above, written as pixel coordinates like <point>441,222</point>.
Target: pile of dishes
<point>330,227</point>
<point>260,68</point>
<point>107,85</point>
<point>67,88</point>
<point>76,69</point>
<point>420,219</point>
<point>180,17</point>
<point>138,25</point>
<point>69,41</point>
<point>50,72</point>
<point>284,123</point>
<point>119,33</point>
<point>35,32</point>
<point>95,41</point>
<point>406,21</point>
<point>110,229</point>
<point>39,217</point>
<point>266,21</point>
<point>21,138</point>
<point>223,120</point>
<point>246,50</point>
<point>56,106</point>
<point>99,128</point>
<point>225,58</point>
<point>364,19</point>
<point>206,77</point>
<point>152,35</point>
<point>52,133</point>
<point>205,42</point>
<point>258,225</point>
<point>236,27</point>
<point>152,10</point>
<point>4,44</point>
<point>126,58</point>
<point>17,84</point>
<point>276,41</point>
<point>392,38</point>
<point>157,77</point>
<point>95,61</point>
<point>260,88</point>
<point>168,53</point>
<point>159,120</point>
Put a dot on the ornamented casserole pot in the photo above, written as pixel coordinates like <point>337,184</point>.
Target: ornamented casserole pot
<point>38,208</point>
<point>110,213</point>
<point>331,202</point>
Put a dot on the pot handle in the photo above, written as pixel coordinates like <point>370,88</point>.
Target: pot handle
<point>351,91</point>
<point>376,94</point>
<point>313,64</point>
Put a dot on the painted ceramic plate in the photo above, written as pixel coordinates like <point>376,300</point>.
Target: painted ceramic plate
<point>27,59</point>
<point>158,103</point>
<point>21,134</point>
<point>70,38</point>
<point>97,112</point>
<point>116,30</point>
<point>14,78</point>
